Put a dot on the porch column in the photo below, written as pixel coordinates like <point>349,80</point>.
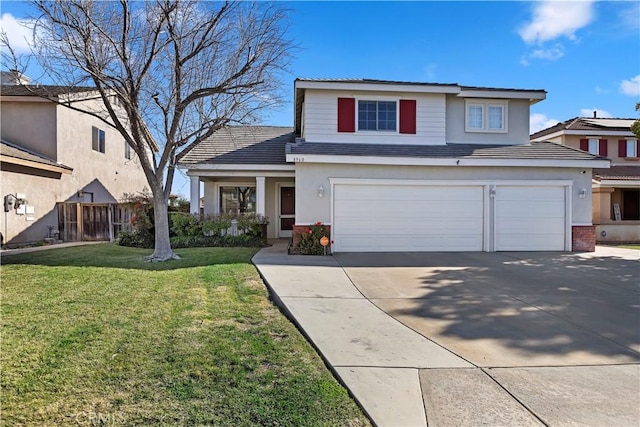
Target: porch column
<point>194,205</point>
<point>260,196</point>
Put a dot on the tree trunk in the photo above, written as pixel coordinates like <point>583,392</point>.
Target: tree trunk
<point>162,250</point>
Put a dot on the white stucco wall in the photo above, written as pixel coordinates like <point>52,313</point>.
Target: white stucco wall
<point>321,118</point>
<point>517,124</point>
<point>309,176</point>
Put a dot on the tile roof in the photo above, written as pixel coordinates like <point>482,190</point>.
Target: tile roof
<point>621,173</point>
<point>241,145</point>
<point>589,124</point>
<point>41,90</point>
<point>12,150</point>
<point>537,150</point>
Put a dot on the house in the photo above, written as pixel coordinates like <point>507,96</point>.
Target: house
<point>403,166</point>
<point>63,171</point>
<point>616,191</point>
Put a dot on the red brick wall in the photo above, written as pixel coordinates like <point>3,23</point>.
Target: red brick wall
<point>583,238</point>
<point>297,229</point>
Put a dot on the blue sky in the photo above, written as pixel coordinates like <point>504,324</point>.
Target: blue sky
<point>585,54</point>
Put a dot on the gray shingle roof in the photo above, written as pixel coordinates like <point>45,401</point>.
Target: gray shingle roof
<point>12,150</point>
<point>41,90</point>
<point>586,123</point>
<point>622,173</point>
<point>241,145</point>
<point>401,83</point>
<point>536,150</point>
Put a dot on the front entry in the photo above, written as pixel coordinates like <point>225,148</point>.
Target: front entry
<point>287,211</point>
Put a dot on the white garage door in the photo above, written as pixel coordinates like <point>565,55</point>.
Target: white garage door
<point>387,218</point>
<point>530,218</point>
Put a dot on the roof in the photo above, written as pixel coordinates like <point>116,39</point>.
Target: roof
<point>536,150</point>
<point>42,90</point>
<point>16,154</point>
<point>588,124</point>
<point>618,173</point>
<point>404,83</point>
<point>241,145</point>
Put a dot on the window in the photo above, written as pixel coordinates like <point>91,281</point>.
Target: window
<point>377,115</point>
<point>632,148</point>
<point>593,146</point>
<point>486,117</point>
<point>237,200</point>
<point>127,151</point>
<point>98,140</point>
<point>630,205</point>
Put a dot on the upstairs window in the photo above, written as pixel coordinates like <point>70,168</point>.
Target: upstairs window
<point>487,116</point>
<point>596,146</point>
<point>377,116</point>
<point>127,151</point>
<point>632,148</point>
<point>98,139</point>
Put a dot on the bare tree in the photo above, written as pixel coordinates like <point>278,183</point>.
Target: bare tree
<point>169,72</point>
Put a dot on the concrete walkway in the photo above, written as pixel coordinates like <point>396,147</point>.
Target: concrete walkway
<point>402,378</point>
<point>7,252</point>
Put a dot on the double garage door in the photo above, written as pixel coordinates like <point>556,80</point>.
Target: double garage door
<point>388,218</point>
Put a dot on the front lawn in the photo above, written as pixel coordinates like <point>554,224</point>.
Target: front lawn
<point>93,335</point>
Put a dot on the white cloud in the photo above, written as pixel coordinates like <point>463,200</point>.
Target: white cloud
<point>602,91</point>
<point>551,54</point>
<point>19,32</point>
<point>601,114</point>
<point>628,17</point>
<point>553,19</point>
<point>631,86</point>
<point>539,121</point>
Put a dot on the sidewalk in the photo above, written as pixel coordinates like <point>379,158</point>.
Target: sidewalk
<point>376,357</point>
<point>8,252</point>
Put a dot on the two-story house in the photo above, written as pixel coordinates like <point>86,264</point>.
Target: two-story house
<point>403,166</point>
<point>63,171</point>
<point>616,191</point>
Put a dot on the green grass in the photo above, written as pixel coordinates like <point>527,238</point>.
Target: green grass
<point>93,335</point>
<point>630,246</point>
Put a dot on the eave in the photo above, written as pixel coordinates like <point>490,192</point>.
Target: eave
<point>36,165</point>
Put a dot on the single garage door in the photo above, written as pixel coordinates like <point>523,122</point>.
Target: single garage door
<point>530,218</point>
<point>388,218</point>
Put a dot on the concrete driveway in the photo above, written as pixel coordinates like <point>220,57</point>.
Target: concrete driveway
<point>459,339</point>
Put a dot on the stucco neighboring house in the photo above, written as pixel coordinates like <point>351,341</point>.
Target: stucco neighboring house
<point>403,166</point>
<point>616,190</point>
<point>63,171</point>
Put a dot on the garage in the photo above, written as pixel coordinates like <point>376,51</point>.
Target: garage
<point>383,217</point>
<point>439,216</point>
<point>530,218</point>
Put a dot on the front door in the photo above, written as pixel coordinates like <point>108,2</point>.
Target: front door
<point>287,214</point>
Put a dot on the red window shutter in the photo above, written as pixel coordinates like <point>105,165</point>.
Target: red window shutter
<point>584,144</point>
<point>408,116</point>
<point>622,148</point>
<point>637,148</point>
<point>602,149</point>
<point>346,115</point>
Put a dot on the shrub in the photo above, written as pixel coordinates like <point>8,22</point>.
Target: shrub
<point>309,240</point>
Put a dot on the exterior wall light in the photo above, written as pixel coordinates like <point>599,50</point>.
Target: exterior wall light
<point>320,191</point>
<point>583,193</point>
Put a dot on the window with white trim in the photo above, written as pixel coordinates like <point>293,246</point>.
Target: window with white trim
<point>632,148</point>
<point>489,116</point>
<point>594,145</point>
<point>377,116</point>
<point>97,139</point>
<point>238,200</point>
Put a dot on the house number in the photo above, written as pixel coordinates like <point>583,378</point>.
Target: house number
<point>298,159</point>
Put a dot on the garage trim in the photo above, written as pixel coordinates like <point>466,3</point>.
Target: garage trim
<point>489,232</point>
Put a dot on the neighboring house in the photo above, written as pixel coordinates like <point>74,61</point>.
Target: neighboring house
<point>63,171</point>
<point>616,191</point>
<point>401,166</point>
